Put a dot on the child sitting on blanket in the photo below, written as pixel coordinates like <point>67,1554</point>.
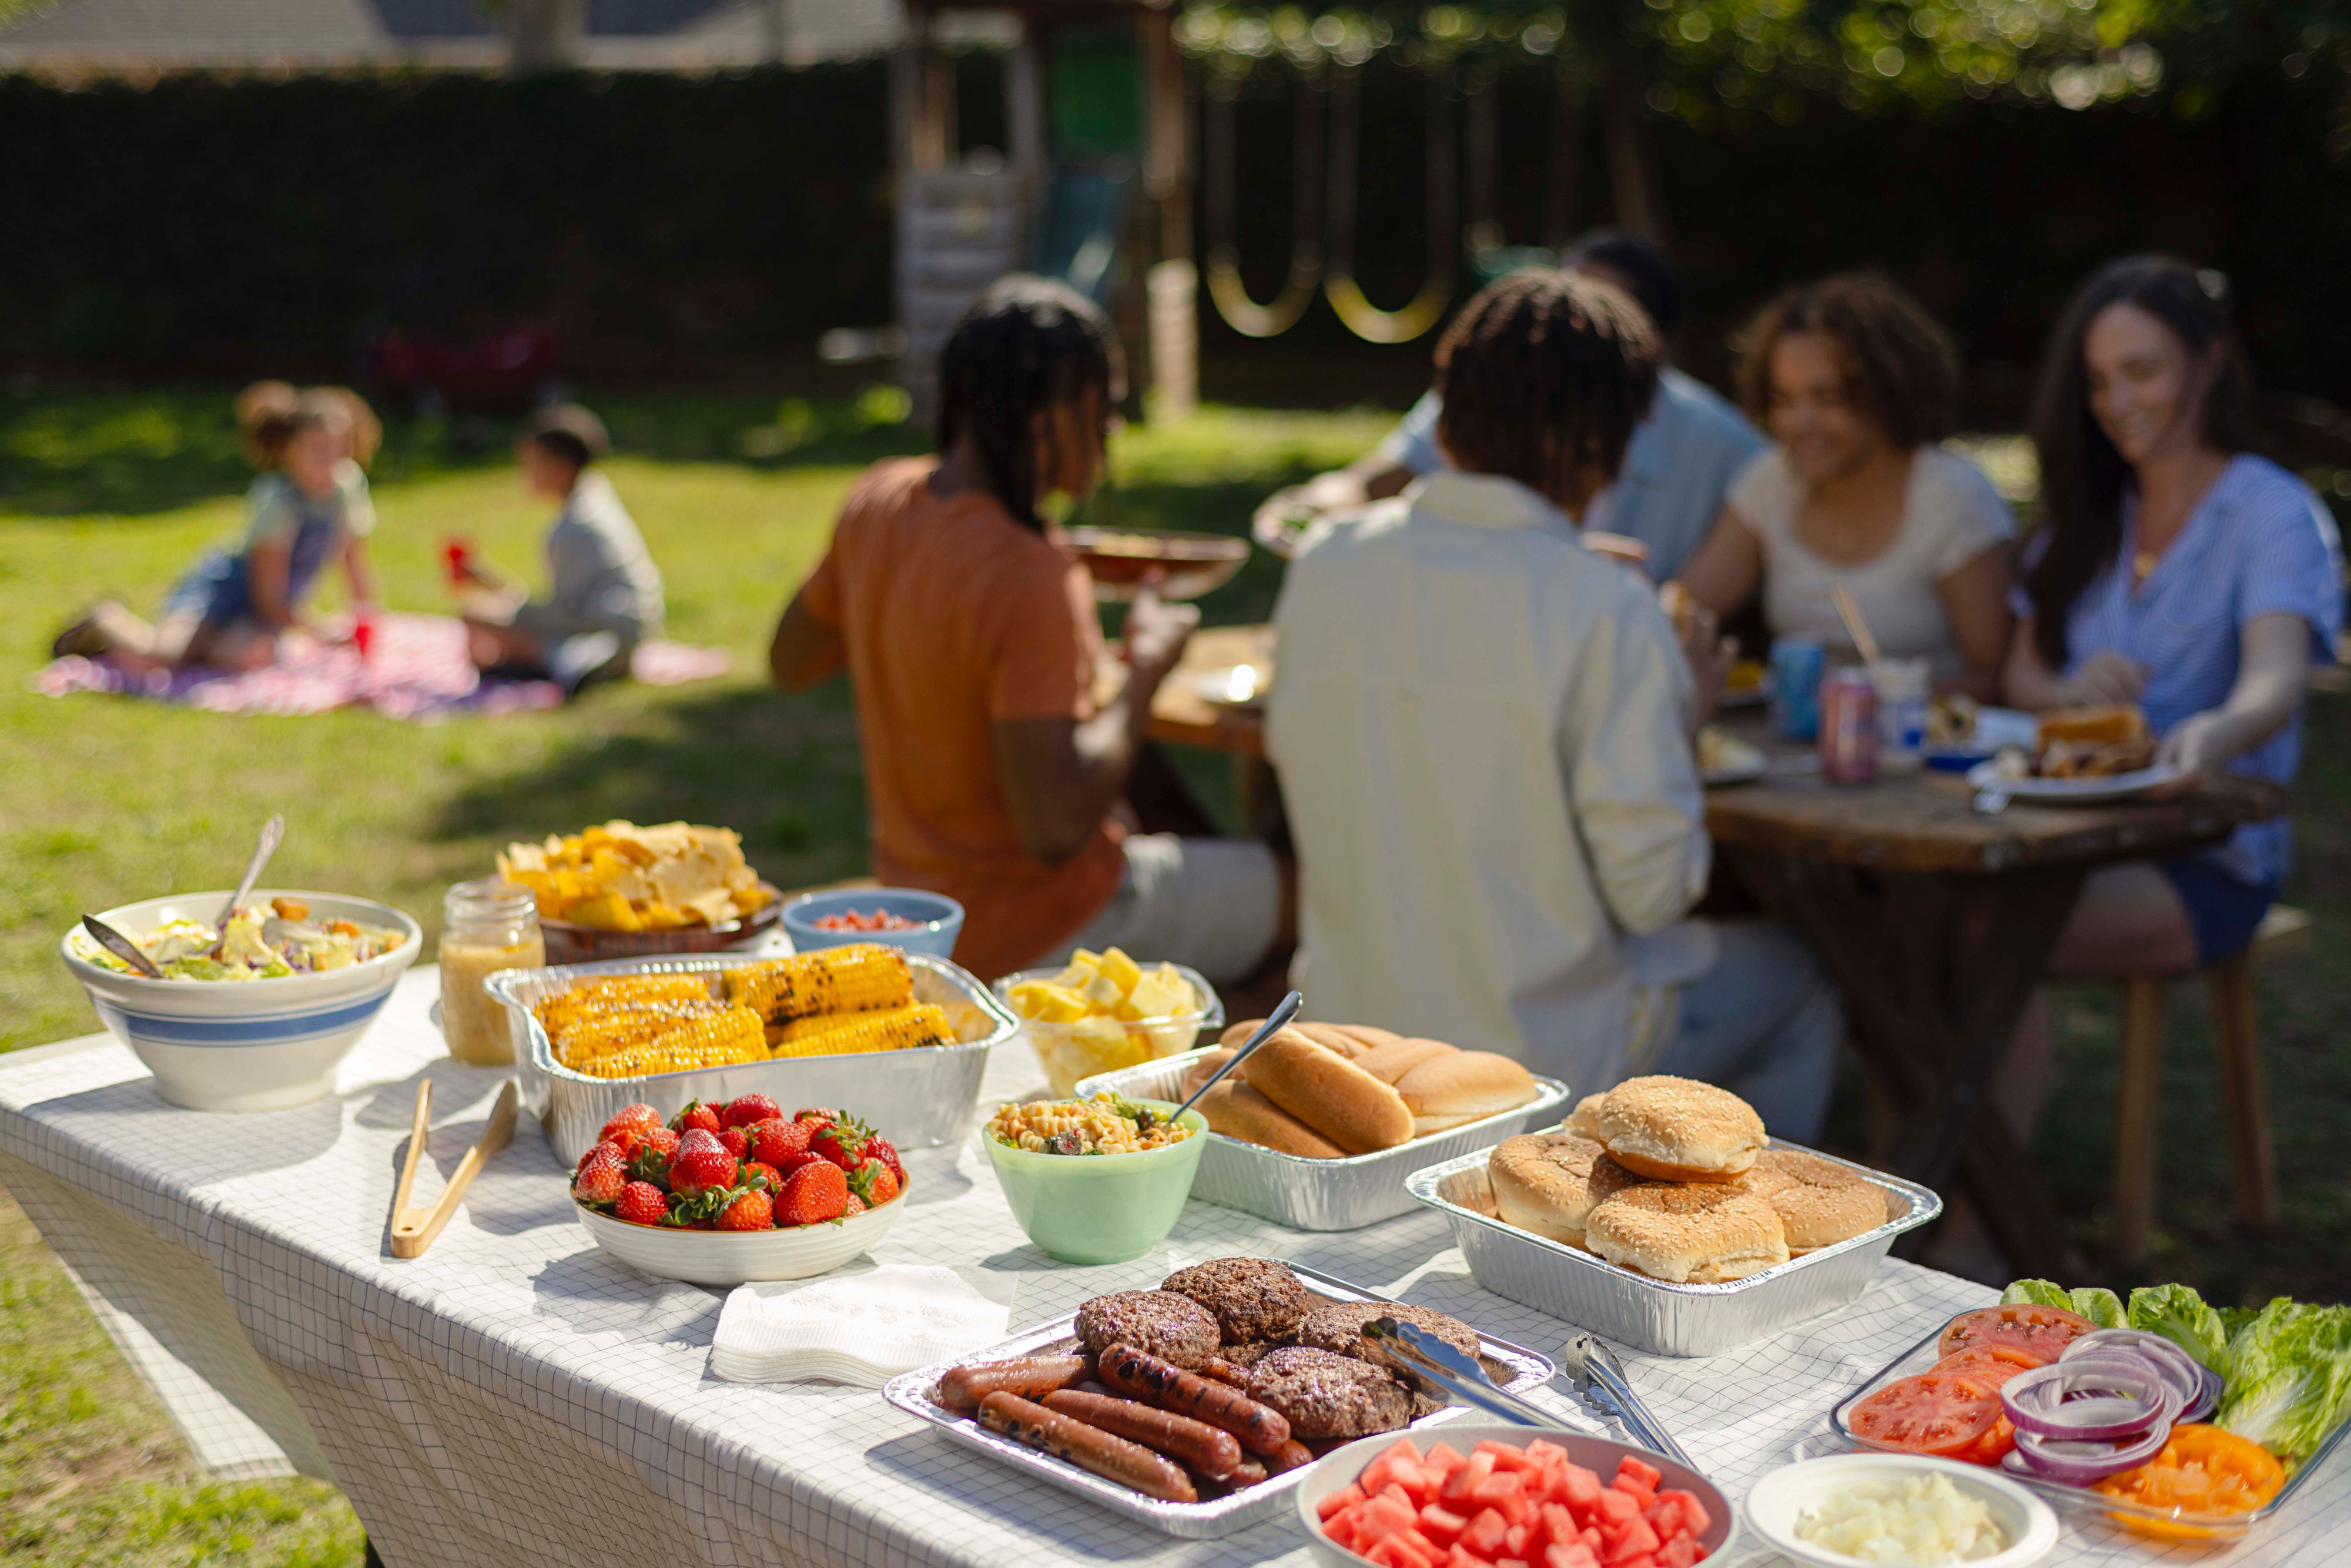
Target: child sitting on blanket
<point>605,593</point>
<point>309,508</point>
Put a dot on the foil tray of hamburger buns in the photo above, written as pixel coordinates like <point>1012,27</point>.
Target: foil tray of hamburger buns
<point>1320,1194</point>
<point>1657,1315</point>
<point>1514,1367</point>
<point>920,1098</point>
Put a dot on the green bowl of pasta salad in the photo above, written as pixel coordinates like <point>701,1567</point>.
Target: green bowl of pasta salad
<point>1095,1181</point>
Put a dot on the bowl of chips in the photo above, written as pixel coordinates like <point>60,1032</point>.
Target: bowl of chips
<point>625,892</point>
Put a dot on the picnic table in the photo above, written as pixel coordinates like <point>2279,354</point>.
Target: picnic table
<point>515,1397</point>
<point>1934,920</point>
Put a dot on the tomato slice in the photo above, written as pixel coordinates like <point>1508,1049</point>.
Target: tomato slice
<point>2042,1333</point>
<point>1993,1446</point>
<point>1934,1413</point>
<point>1993,1363</point>
<point>2202,1469</point>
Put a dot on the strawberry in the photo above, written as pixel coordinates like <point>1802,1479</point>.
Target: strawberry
<point>654,1151</point>
<point>702,1164</point>
<point>752,1210</point>
<point>628,1125</point>
<point>874,1184</point>
<point>735,1141</point>
<point>768,1174</point>
<point>592,1154</point>
<point>854,1207</point>
<point>748,1110</point>
<point>840,1142</point>
<point>816,1115</point>
<point>696,1114</point>
<point>878,1147</point>
<point>781,1143</point>
<point>643,1203</point>
<point>814,1193</point>
<point>602,1175</point>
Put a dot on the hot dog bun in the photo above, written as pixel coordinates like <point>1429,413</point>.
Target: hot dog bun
<point>1239,1110</point>
<point>1346,1104</point>
<point>1454,1087</point>
<point>1390,1062</point>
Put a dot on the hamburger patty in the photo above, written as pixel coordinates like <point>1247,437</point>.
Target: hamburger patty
<point>1250,1298</point>
<point>1324,1395</point>
<point>1337,1326</point>
<point>1157,1323</point>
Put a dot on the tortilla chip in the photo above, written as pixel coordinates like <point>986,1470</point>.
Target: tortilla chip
<point>606,912</point>
<point>662,917</point>
<point>716,907</point>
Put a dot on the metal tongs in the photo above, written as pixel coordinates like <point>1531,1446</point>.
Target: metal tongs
<point>1598,1377</point>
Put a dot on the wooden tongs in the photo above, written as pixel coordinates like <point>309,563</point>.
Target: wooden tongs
<point>414,1229</point>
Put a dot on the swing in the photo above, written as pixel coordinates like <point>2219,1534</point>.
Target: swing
<point>1226,289</point>
<point>1362,318</point>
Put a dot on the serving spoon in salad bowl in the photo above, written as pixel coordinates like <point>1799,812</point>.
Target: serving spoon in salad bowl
<point>273,833</point>
<point>121,946</point>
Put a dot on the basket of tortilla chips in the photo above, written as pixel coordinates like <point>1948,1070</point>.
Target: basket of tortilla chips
<point>623,891</point>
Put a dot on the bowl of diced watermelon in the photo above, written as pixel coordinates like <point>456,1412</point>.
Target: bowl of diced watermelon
<point>1468,1493</point>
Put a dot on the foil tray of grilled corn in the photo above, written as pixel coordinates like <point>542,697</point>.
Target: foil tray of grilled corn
<point>900,1039</point>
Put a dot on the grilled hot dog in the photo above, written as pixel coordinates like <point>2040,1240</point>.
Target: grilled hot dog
<point>1260,1428</point>
<point>1210,1450</point>
<point>1088,1447</point>
<point>962,1388</point>
<point>1289,1457</point>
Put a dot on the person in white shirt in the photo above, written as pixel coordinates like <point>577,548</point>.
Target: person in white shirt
<point>1484,737</point>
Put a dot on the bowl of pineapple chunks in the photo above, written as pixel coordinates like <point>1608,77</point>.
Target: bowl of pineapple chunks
<point>1105,1011</point>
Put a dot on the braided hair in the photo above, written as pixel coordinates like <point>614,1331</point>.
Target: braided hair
<point>1542,374</point>
<point>1026,345</point>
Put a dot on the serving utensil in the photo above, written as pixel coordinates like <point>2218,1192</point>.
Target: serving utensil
<point>273,833</point>
<point>1421,1355</point>
<point>1286,1010</point>
<point>414,1229</point>
<point>121,946</point>
<point>1600,1378</point>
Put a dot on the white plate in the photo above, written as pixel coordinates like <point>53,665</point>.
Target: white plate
<point>731,1258</point>
<point>1736,761</point>
<point>2073,791</point>
<point>1774,1504</point>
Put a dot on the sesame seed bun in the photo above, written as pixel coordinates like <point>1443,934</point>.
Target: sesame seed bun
<point>1548,1183</point>
<point>1687,1233</point>
<point>1584,1120</point>
<point>1820,1203</point>
<point>1677,1129</point>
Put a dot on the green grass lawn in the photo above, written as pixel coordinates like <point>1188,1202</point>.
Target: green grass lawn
<point>104,800</point>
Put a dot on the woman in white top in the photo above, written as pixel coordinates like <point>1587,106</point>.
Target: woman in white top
<point>1856,385</point>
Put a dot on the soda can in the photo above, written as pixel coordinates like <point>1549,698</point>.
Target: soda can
<point>1848,726</point>
<point>1796,665</point>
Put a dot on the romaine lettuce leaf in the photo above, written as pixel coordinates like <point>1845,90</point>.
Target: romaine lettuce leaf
<point>2098,1305</point>
<point>2179,1315</point>
<point>2036,1294</point>
<point>2289,1377</point>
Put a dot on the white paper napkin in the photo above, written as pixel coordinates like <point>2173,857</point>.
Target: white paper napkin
<point>861,1328</point>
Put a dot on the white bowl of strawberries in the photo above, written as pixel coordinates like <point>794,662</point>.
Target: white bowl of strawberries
<point>724,1195</point>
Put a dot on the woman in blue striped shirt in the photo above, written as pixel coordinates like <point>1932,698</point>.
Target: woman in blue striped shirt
<point>2175,568</point>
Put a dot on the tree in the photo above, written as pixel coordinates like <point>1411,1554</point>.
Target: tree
<point>1709,61</point>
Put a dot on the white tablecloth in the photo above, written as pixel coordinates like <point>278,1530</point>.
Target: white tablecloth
<point>514,1397</point>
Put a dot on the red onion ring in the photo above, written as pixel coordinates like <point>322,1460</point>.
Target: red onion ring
<point>2089,1399</point>
<point>2181,1372</point>
<point>2080,1463</point>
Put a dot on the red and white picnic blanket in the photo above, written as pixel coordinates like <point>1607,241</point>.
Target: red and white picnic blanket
<point>415,669</point>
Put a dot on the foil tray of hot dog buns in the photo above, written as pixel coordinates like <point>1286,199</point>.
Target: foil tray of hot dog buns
<point>1197,1406</point>
<point>1660,1215</point>
<point>1319,1129</point>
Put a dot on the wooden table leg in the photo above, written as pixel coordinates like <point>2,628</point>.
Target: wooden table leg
<point>1936,971</point>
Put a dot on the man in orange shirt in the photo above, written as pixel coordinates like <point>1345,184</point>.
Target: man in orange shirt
<point>970,634</point>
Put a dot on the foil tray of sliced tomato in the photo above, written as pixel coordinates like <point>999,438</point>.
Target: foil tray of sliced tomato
<point>1941,1398</point>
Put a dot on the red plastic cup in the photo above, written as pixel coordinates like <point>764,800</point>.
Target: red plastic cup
<point>363,631</point>
<point>459,555</point>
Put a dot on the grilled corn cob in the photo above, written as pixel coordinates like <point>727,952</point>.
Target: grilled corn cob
<point>622,991</point>
<point>722,1038</point>
<point>846,1034</point>
<point>859,978</point>
<point>594,1034</point>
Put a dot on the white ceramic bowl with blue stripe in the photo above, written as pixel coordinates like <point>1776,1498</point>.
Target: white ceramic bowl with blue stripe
<point>252,1045</point>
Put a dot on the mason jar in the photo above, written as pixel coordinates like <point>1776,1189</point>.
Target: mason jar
<point>486,926</point>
